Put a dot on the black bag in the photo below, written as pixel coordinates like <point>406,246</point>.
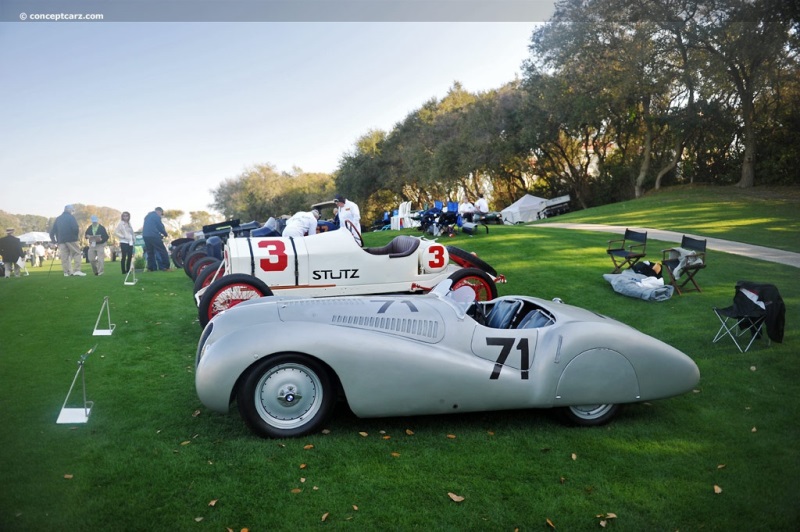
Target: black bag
<point>650,269</point>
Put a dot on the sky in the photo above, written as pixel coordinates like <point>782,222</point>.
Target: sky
<point>136,115</point>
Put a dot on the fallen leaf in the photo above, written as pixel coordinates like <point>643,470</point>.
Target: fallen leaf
<point>609,515</point>
<point>355,507</point>
<point>574,456</point>
<point>409,432</point>
<point>68,476</point>
<point>387,437</point>
<point>302,480</point>
<point>717,489</point>
<point>490,432</point>
<point>752,368</point>
<point>325,516</point>
<point>603,523</point>
<point>396,455</point>
<point>721,466</point>
<point>451,436</point>
<point>754,429</point>
<point>309,446</point>
<point>454,497</point>
<point>187,442</point>
<point>326,431</point>
<point>213,503</point>
<point>563,480</point>
<point>381,432</point>
<point>363,434</point>
<point>196,413</point>
<point>198,519</point>
<point>550,524</point>
<point>296,490</point>
<point>302,466</point>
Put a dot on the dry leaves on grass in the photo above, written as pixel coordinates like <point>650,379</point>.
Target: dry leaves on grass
<point>307,447</point>
<point>409,432</point>
<point>717,489</point>
<point>363,434</point>
<point>550,524</point>
<point>396,455</point>
<point>451,436</point>
<point>325,516</point>
<point>605,517</point>
<point>213,502</point>
<point>68,476</point>
<point>574,456</point>
<point>454,497</point>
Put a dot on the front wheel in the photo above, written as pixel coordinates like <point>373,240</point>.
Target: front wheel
<point>286,396</point>
<point>483,285</point>
<point>590,415</point>
<point>227,292</point>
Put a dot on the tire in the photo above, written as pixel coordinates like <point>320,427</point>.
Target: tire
<point>478,280</point>
<point>175,247</point>
<point>204,277</point>
<point>227,292</point>
<point>196,245</point>
<point>286,396</point>
<point>466,259</point>
<point>590,415</point>
<point>199,265</point>
<point>179,253</point>
<point>191,259</point>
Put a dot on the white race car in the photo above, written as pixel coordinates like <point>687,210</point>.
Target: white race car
<point>286,360</point>
<point>334,264</point>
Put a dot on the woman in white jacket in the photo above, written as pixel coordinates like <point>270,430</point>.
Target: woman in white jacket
<point>124,233</point>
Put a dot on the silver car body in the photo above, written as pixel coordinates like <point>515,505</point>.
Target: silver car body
<point>400,355</point>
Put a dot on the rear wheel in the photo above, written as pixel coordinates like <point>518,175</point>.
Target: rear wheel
<point>227,292</point>
<point>179,253</point>
<point>205,276</point>
<point>200,265</point>
<point>191,259</point>
<point>466,259</point>
<point>478,280</point>
<point>285,396</point>
<point>590,415</point>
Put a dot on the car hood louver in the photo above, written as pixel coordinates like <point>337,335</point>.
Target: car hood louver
<point>365,314</point>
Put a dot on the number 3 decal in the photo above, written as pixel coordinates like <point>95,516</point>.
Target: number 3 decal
<point>437,257</point>
<point>276,259</point>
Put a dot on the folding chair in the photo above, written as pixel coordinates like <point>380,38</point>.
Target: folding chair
<point>627,251</point>
<point>755,305</point>
<point>686,260</point>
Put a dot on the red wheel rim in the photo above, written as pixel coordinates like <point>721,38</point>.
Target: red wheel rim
<point>231,295</point>
<point>483,292</point>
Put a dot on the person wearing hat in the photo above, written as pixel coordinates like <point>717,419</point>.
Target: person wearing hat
<point>11,251</point>
<point>97,236</point>
<point>348,211</point>
<point>65,233</point>
<point>301,224</point>
<point>153,233</point>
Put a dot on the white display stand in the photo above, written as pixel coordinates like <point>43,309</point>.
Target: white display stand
<point>130,277</point>
<point>108,331</point>
<point>79,414</point>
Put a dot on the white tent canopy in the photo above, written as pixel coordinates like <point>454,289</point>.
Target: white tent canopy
<point>525,209</point>
<point>34,236</point>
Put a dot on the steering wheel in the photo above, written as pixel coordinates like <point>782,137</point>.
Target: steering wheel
<point>350,226</point>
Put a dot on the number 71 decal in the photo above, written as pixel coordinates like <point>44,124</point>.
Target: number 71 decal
<point>507,344</point>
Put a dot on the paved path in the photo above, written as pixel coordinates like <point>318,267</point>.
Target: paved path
<point>727,246</point>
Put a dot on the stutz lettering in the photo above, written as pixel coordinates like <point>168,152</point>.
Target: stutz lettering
<point>331,274</point>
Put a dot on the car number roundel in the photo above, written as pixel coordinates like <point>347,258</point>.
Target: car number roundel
<point>434,259</point>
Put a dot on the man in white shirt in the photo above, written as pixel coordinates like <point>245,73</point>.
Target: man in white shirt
<point>302,224</point>
<point>481,206</point>
<point>347,211</point>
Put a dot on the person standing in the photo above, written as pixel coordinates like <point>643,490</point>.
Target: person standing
<point>153,232</point>
<point>97,236</point>
<point>65,233</point>
<point>301,224</point>
<point>11,251</point>
<point>39,252</point>
<point>127,238</point>
<point>348,210</point>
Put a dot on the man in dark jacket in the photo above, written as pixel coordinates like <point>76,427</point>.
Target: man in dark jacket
<point>152,232</point>
<point>11,251</point>
<point>65,233</point>
<point>97,236</point>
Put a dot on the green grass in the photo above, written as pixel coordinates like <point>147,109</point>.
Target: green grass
<point>152,458</point>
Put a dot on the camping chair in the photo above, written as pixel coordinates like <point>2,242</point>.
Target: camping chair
<point>627,251</point>
<point>755,305</point>
<point>686,260</point>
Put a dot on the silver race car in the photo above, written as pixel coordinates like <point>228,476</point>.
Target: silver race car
<point>286,360</point>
